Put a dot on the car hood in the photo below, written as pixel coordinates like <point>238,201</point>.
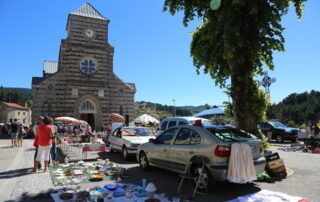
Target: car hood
<point>138,139</point>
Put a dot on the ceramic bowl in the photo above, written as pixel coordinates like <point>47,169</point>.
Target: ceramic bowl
<point>111,187</point>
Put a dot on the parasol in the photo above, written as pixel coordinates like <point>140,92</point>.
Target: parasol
<point>116,118</point>
<point>60,122</point>
<point>83,122</point>
<point>67,119</point>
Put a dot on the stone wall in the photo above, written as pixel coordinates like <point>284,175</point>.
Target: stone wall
<point>56,95</point>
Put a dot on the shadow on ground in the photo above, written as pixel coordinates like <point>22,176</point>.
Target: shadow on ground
<point>15,173</point>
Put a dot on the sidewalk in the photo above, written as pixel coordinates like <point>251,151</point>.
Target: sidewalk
<point>17,182</point>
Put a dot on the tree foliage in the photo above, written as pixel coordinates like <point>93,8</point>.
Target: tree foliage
<point>297,109</point>
<point>234,42</point>
<point>15,95</point>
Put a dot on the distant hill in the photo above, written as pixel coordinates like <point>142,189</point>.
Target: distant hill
<point>158,111</point>
<point>297,109</point>
<point>26,91</point>
<point>15,95</point>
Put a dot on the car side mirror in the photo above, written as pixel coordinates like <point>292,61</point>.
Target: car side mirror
<point>151,140</point>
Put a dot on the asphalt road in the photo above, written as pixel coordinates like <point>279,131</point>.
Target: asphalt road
<point>16,182</point>
<point>304,182</point>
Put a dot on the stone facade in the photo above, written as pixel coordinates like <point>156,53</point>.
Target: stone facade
<point>11,111</point>
<point>84,85</point>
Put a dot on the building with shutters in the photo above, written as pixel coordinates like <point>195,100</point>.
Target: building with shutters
<point>11,111</point>
<point>82,83</point>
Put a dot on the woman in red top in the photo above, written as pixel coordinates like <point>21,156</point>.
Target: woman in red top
<point>36,143</point>
<point>44,133</point>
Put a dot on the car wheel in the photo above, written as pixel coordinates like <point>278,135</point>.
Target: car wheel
<point>205,182</point>
<point>124,153</point>
<point>279,139</point>
<point>143,161</point>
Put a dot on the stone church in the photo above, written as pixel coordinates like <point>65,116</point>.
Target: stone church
<point>82,83</point>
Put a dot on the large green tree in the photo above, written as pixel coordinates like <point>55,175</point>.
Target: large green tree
<point>234,42</point>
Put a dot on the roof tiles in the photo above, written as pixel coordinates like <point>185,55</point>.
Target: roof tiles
<point>14,105</point>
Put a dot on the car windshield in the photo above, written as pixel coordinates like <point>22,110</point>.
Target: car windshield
<point>278,125</point>
<point>230,134</point>
<point>136,132</point>
<point>204,122</point>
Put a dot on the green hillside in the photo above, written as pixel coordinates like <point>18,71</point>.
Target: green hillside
<point>297,109</point>
<point>158,111</point>
<point>15,95</point>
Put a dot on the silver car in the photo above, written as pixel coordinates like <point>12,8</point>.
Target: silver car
<point>176,147</point>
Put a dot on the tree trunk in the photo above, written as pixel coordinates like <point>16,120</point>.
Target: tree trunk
<point>241,92</point>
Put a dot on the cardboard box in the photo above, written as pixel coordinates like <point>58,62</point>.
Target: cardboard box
<point>275,164</point>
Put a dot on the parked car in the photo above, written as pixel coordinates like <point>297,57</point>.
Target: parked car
<point>179,121</point>
<point>278,131</point>
<point>174,148</point>
<point>128,139</point>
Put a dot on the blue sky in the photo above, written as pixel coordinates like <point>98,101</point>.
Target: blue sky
<point>151,49</point>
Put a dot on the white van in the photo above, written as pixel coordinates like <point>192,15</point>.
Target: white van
<point>178,121</point>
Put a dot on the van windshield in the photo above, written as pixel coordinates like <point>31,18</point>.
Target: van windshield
<point>230,134</point>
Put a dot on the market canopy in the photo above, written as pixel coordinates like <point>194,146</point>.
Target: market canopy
<point>146,119</point>
<point>216,111</point>
<point>116,118</point>
<point>67,119</point>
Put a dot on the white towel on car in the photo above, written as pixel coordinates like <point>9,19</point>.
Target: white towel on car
<point>241,168</point>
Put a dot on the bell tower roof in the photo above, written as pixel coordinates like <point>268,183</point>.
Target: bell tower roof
<point>87,10</point>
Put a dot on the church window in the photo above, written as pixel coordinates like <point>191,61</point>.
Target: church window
<point>88,66</point>
<point>87,105</point>
<point>50,86</point>
<point>121,110</point>
<point>49,109</point>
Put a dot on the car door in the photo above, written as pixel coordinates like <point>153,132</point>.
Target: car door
<point>183,148</point>
<point>115,139</point>
<point>264,127</point>
<point>158,153</point>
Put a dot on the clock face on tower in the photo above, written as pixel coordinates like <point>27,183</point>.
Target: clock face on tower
<point>89,33</point>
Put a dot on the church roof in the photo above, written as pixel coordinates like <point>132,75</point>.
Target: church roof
<point>87,10</point>
<point>50,67</point>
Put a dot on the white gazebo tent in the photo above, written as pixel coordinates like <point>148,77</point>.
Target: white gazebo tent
<point>146,119</point>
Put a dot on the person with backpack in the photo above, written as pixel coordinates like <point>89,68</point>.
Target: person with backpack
<point>21,135</point>
<point>15,126</point>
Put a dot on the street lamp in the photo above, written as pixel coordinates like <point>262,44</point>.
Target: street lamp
<point>174,107</point>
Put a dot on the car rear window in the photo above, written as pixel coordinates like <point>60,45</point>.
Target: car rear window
<point>229,134</point>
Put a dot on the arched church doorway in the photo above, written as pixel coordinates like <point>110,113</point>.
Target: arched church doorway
<point>87,112</point>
